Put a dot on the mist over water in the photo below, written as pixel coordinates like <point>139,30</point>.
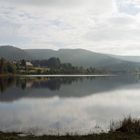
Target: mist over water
<point>60,105</point>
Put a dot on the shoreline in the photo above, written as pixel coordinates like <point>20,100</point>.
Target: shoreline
<point>129,129</point>
<point>101,136</point>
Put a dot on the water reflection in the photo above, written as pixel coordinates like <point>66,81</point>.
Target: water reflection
<point>36,82</point>
<point>14,88</point>
<point>66,104</point>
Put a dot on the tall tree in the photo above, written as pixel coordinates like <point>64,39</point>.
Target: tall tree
<point>2,65</point>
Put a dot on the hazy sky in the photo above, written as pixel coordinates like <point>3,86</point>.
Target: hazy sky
<point>107,26</point>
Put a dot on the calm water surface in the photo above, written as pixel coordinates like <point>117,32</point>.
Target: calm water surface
<point>60,105</point>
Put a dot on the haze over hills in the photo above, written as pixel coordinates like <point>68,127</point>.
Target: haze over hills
<point>128,58</point>
<point>77,57</point>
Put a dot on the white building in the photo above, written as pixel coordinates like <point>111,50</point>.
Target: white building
<point>29,64</point>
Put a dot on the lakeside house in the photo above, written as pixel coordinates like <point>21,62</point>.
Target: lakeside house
<point>29,64</point>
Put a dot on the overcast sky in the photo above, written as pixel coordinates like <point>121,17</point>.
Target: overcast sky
<point>106,26</point>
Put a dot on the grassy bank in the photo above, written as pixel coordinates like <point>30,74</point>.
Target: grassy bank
<point>103,136</point>
<point>128,129</point>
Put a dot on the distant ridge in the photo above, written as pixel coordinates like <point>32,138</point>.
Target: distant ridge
<point>13,53</point>
<point>77,57</point>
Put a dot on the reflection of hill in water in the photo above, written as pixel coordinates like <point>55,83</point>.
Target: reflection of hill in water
<point>15,88</point>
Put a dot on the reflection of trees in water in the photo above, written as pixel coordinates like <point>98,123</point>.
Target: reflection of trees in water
<point>33,87</point>
<point>54,83</point>
<point>6,82</point>
<point>21,83</point>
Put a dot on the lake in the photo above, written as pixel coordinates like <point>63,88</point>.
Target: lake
<point>60,105</point>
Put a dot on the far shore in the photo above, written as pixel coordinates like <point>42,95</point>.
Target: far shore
<point>57,75</point>
<point>69,75</point>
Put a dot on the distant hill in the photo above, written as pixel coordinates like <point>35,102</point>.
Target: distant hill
<point>77,57</point>
<point>128,58</point>
<point>13,53</point>
<point>85,58</point>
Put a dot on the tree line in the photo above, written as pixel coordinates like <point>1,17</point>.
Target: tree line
<point>57,67</point>
<point>7,67</point>
<point>50,66</point>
